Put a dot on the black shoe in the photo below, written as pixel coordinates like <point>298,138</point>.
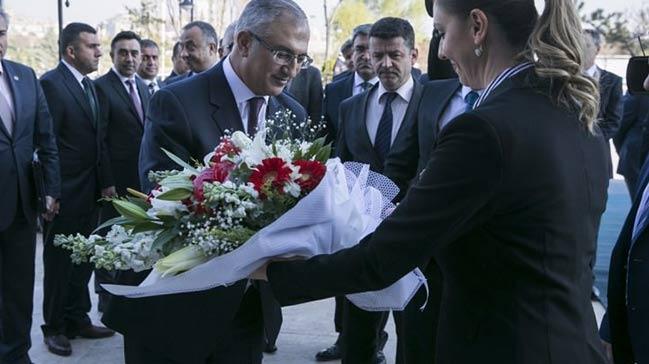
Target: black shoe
<point>379,358</point>
<point>91,332</point>
<point>270,348</point>
<point>331,353</point>
<point>58,344</point>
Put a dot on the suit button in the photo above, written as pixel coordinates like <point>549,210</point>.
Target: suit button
<point>632,308</point>
<point>637,260</point>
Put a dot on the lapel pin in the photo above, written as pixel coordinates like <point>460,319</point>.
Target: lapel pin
<point>16,78</point>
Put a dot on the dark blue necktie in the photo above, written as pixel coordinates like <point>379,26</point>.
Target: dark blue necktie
<point>470,100</point>
<point>384,133</point>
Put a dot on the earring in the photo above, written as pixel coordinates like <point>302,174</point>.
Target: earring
<point>478,51</point>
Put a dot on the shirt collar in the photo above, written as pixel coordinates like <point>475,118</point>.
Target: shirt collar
<point>77,75</point>
<point>358,80</point>
<point>241,92</point>
<point>405,91</point>
<point>123,78</point>
<point>592,71</point>
<point>466,89</point>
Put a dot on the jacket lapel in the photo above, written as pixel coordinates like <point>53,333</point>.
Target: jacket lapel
<point>77,92</point>
<point>364,141</point>
<point>10,74</point>
<point>439,108</point>
<point>226,113</point>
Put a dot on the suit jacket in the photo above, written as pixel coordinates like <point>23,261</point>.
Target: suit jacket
<point>509,207</point>
<point>335,93</point>
<point>123,128</point>
<point>188,119</point>
<point>610,107</point>
<point>421,140</point>
<point>342,75</point>
<point>32,130</point>
<point>631,140</point>
<point>85,167</point>
<point>173,79</point>
<point>306,87</point>
<point>626,323</point>
<point>353,141</point>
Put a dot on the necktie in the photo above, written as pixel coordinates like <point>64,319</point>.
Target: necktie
<point>134,99</point>
<point>91,99</point>
<point>383,137</point>
<point>470,100</point>
<point>152,88</point>
<point>365,86</point>
<point>254,105</point>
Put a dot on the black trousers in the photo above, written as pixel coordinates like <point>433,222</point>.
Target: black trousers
<point>360,333</point>
<point>17,254</point>
<point>66,300</point>
<point>242,345</point>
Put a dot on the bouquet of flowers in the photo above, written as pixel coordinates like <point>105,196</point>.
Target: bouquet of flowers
<point>249,201</point>
<point>208,209</point>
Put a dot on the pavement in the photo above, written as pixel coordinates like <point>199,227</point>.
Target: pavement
<point>308,327</point>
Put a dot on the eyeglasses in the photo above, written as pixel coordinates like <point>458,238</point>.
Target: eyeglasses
<point>285,58</point>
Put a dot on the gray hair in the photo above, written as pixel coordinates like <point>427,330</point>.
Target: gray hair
<point>258,15</point>
<point>228,35</point>
<point>363,29</point>
<point>595,35</point>
<point>209,34</point>
<point>5,16</point>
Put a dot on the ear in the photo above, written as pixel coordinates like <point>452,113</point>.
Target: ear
<point>243,42</point>
<point>479,24</point>
<point>414,54</point>
<point>69,51</point>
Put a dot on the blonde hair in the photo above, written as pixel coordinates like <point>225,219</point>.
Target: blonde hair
<point>556,45</point>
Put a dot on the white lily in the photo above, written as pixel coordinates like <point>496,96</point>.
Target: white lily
<point>240,140</point>
<point>180,261</point>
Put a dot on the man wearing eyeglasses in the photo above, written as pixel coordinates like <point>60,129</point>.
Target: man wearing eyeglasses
<point>188,118</point>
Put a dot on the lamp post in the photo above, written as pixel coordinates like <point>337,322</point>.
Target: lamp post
<point>67,5</point>
<point>187,5</point>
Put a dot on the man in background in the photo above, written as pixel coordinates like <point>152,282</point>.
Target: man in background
<point>179,65</point>
<point>199,48</point>
<point>150,65</point>
<point>25,129</point>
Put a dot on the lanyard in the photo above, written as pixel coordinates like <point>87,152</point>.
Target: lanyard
<point>506,74</point>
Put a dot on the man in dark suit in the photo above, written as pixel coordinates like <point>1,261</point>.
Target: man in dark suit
<point>373,127</point>
<point>624,329</point>
<point>632,139</point>
<point>85,177</point>
<point>179,65</point>
<point>124,100</point>
<point>226,43</point>
<point>346,51</point>
<point>149,66</point>
<point>360,80</point>
<point>224,324</point>
<point>25,128</point>
<point>306,87</point>
<point>610,89</point>
<point>199,49</point>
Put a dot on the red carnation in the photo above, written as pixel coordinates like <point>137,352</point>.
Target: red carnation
<point>222,170</point>
<point>311,173</point>
<point>226,147</point>
<point>206,175</point>
<point>271,173</point>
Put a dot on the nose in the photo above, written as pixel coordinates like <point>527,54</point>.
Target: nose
<point>441,53</point>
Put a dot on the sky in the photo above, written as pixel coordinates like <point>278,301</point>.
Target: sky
<point>94,11</point>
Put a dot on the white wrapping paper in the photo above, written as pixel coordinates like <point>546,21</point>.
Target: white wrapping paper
<point>348,204</point>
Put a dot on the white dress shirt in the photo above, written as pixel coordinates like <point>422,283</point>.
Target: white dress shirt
<point>358,81</point>
<point>148,83</point>
<point>456,106</point>
<point>77,75</point>
<point>593,72</point>
<point>242,94</point>
<point>5,90</point>
<point>127,87</point>
<point>376,105</point>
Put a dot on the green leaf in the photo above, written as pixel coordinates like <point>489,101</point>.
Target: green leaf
<point>323,154</point>
<point>146,226</point>
<point>177,181</point>
<point>163,238</point>
<point>130,210</point>
<point>138,201</point>
<point>119,220</point>
<point>179,161</point>
<point>177,194</point>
